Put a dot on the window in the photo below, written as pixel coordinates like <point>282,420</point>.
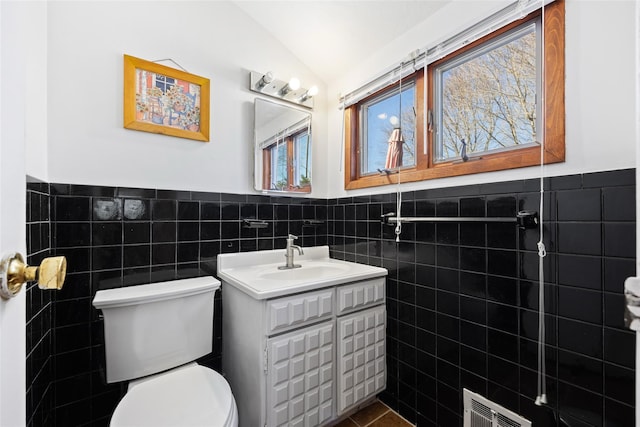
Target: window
<point>485,99</point>
<point>380,116</point>
<point>280,171</point>
<point>164,83</point>
<point>483,112</point>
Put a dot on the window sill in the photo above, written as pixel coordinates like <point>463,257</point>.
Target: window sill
<point>489,163</point>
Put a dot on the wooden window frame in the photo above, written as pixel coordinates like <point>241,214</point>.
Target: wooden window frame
<point>426,168</point>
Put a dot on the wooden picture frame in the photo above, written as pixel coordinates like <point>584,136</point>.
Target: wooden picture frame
<point>160,99</point>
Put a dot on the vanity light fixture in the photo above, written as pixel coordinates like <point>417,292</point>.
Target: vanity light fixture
<point>290,91</point>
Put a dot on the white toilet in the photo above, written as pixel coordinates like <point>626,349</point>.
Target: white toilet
<point>153,334</point>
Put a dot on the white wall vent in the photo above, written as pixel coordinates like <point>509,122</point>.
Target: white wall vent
<point>481,412</point>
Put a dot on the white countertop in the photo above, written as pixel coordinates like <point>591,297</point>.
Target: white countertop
<point>257,274</point>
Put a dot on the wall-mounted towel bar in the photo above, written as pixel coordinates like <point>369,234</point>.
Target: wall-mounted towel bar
<point>524,219</point>
<point>254,223</point>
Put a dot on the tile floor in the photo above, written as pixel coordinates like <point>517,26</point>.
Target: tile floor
<point>375,415</point>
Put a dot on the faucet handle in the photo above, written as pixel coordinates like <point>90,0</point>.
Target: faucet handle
<point>292,237</point>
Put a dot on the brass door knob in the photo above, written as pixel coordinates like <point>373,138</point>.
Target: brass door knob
<point>14,273</point>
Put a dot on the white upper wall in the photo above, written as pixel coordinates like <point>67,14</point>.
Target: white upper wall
<point>35,112</point>
<point>79,138</point>
<point>87,143</point>
<point>599,89</point>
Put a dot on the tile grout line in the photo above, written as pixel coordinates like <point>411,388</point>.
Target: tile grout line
<point>376,419</point>
<point>396,413</point>
<point>388,410</point>
<point>372,421</point>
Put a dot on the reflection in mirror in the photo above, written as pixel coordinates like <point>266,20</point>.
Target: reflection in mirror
<point>282,148</point>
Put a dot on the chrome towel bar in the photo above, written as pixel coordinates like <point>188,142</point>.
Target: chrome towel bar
<point>524,219</point>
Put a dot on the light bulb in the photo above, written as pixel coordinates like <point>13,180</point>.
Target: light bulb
<point>313,90</point>
<point>394,120</point>
<point>294,84</point>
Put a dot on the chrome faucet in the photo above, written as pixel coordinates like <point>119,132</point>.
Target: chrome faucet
<point>289,253</point>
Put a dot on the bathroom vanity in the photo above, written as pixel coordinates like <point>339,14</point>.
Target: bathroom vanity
<point>301,346</point>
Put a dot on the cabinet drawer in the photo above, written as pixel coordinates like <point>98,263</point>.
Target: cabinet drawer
<point>360,295</point>
<point>298,310</point>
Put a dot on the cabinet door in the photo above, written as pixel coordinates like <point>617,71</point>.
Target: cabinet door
<point>361,361</point>
<point>300,377</point>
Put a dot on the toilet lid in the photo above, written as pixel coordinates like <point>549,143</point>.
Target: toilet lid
<point>188,396</point>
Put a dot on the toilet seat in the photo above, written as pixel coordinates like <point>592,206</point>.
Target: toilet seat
<point>191,395</point>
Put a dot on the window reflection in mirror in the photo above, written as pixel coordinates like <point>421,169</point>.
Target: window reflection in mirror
<point>282,148</point>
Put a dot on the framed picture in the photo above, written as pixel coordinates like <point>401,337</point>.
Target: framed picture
<point>160,99</point>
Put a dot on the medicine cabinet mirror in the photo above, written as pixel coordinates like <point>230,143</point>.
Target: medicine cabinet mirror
<point>282,148</point>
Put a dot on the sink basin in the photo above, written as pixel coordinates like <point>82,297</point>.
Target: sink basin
<point>257,274</point>
<point>308,271</point>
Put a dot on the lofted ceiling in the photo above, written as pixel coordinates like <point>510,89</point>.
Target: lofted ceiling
<point>330,36</point>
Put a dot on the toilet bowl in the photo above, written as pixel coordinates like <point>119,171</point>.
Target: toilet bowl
<point>153,335</point>
<point>191,395</point>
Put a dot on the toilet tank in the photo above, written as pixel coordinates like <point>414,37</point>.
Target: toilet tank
<point>155,327</point>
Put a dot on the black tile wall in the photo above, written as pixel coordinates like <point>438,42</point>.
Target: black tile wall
<point>462,297</point>
<point>39,308</point>
<point>114,237</point>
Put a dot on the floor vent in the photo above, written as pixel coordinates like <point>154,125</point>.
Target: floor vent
<point>481,412</point>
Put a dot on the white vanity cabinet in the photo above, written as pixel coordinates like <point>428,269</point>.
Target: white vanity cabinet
<point>304,346</point>
<point>304,359</point>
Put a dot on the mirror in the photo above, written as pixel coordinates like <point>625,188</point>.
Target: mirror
<point>282,148</point>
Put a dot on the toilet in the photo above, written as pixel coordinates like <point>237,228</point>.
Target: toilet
<point>153,335</point>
